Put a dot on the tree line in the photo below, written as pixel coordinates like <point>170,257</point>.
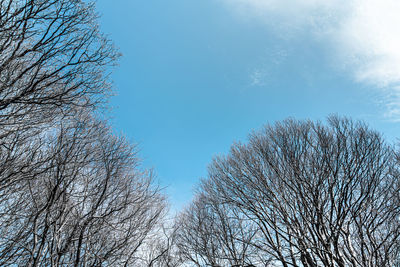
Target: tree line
<point>73,193</point>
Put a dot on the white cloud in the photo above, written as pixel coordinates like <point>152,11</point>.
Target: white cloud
<point>292,15</point>
<point>370,37</point>
<point>363,35</point>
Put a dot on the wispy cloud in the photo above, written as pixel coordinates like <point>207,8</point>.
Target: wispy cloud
<point>363,35</point>
<point>262,74</point>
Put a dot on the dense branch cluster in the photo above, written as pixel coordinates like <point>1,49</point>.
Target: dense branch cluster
<point>72,193</point>
<point>298,194</point>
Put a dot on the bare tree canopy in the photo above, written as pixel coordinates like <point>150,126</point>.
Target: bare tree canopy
<point>52,59</point>
<point>72,193</point>
<point>83,202</point>
<point>213,234</point>
<point>319,195</point>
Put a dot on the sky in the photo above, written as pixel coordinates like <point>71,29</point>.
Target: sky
<point>197,76</point>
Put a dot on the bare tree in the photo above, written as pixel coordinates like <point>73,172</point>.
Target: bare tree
<point>86,205</point>
<point>53,65</point>
<point>212,233</point>
<point>320,195</point>
<point>53,59</point>
<point>161,248</point>
<point>72,193</point>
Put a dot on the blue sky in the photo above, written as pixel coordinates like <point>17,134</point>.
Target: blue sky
<point>196,76</point>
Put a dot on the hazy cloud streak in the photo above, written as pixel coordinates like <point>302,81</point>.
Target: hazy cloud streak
<point>363,35</point>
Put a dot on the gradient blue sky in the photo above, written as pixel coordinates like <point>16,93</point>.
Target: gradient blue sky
<point>196,76</point>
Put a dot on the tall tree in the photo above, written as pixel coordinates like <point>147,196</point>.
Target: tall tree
<point>320,195</point>
<point>212,233</point>
<point>72,193</point>
<point>86,204</point>
<point>53,60</point>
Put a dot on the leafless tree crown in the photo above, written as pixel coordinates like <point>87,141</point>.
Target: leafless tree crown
<point>72,193</point>
<point>52,59</point>
<point>299,194</point>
